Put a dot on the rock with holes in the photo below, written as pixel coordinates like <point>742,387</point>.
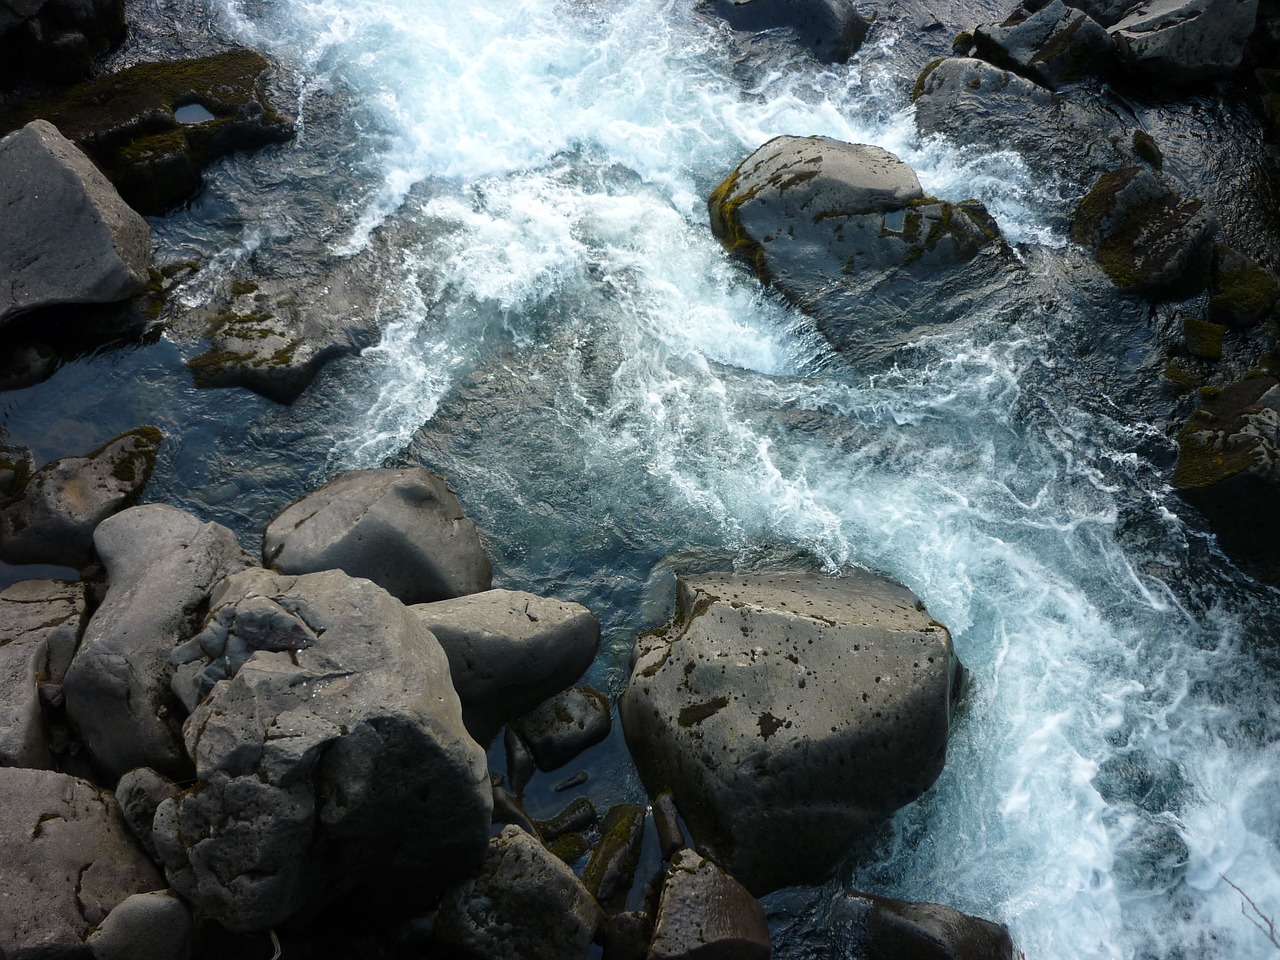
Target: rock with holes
<point>66,236</point>
<point>524,903</point>
<point>66,861</point>
<point>40,625</point>
<point>52,518</point>
<point>787,712</point>
<point>886,929</point>
<point>1182,41</point>
<point>509,650</point>
<point>330,755</point>
<point>704,914</point>
<point>161,563</point>
<point>1054,45</point>
<point>402,529</point>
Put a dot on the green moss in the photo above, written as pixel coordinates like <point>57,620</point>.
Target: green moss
<point>1212,446</point>
<point>134,464</point>
<point>1210,392</point>
<point>1179,377</point>
<point>570,847</point>
<point>208,367</point>
<point>1203,339</point>
<point>242,288</point>
<point>918,90</point>
<point>723,206</point>
<point>1242,292</point>
<point>1145,149</point>
<point>962,44</point>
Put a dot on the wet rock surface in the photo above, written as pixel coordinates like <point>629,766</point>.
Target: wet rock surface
<point>565,725</point>
<point>66,862</point>
<point>787,712</point>
<point>1183,41</point>
<point>830,29</point>
<point>1055,45</point>
<point>66,236</point>
<point>403,529</point>
<point>704,914</point>
<point>885,929</point>
<point>330,755</point>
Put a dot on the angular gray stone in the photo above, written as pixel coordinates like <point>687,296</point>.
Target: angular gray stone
<point>564,726</point>
<point>704,914</point>
<point>1182,41</point>
<point>1107,12</point>
<point>66,236</point>
<point>1056,45</point>
<point>883,928</point>
<point>146,926</point>
<point>330,758</point>
<point>509,650</point>
<point>970,101</point>
<point>40,624</point>
<point>161,563</point>
<point>66,861</point>
<point>53,518</point>
<point>787,712</point>
<point>402,529</point>
<point>524,903</point>
<point>140,793</point>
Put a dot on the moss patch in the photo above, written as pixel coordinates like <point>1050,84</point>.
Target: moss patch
<point>1145,149</point>
<point>1203,339</point>
<point>1242,293</point>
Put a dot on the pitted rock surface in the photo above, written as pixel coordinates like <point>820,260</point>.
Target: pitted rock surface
<point>787,712</point>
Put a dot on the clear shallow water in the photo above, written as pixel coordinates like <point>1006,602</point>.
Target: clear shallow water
<point>614,400</point>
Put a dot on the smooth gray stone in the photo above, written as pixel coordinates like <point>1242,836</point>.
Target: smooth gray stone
<point>146,926</point>
<point>140,793</point>
<point>1183,41</point>
<point>881,927</point>
<point>704,914</point>
<point>1056,45</point>
<point>66,236</point>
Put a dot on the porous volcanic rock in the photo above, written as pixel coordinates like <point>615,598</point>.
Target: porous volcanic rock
<point>787,712</point>
<point>330,755</point>
<point>160,563</point>
<point>509,650</point>
<point>66,236</point>
<point>53,517</point>
<point>402,529</point>
<point>66,861</point>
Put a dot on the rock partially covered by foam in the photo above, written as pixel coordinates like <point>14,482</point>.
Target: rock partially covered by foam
<point>787,712</point>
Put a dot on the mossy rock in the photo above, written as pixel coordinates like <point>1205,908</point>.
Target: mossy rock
<point>1242,291</point>
<point>1221,440</point>
<point>126,122</point>
<point>1203,338</point>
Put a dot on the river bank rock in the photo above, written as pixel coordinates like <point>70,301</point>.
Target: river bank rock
<point>1145,235</point>
<point>787,712</point>
<point>403,529</point>
<point>146,926</point>
<point>127,122</point>
<point>831,30</point>
<point>259,351</point>
<point>330,756</point>
<point>66,236</point>
<point>704,914</point>
<point>40,625</point>
<point>1055,45</point>
<point>523,903</point>
<point>509,651</point>
<point>160,564</point>
<point>884,929</point>
<point>53,516</point>
<point>66,862</point>
<point>562,727</point>
<point>1183,41</point>
<point>55,41</point>
<point>1242,292</point>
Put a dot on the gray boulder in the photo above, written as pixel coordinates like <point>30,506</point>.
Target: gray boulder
<point>1242,290</point>
<point>704,914</point>
<point>786,713</point>
<point>832,30</point>
<point>509,650</point>
<point>53,517</point>
<point>66,861</point>
<point>66,236</point>
<point>402,529</point>
<point>1182,41</point>
<point>146,926</point>
<point>1145,235</point>
<point>140,793</point>
<point>1107,12</point>
<point>883,929</point>
<point>524,903</point>
<point>564,726</point>
<point>40,624</point>
<point>1054,46</point>
<point>160,564</point>
<point>330,755</point>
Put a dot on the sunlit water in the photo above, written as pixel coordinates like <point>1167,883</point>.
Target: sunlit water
<point>567,342</point>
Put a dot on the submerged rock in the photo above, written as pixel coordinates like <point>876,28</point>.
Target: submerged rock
<point>66,236</point>
<point>1145,235</point>
<point>704,914</point>
<point>832,30</point>
<point>524,903</point>
<point>1054,45</point>
<point>509,651</point>
<point>402,529</point>
<point>160,564</point>
<point>885,929</point>
<point>787,712</point>
<point>55,513</point>
<point>260,352</point>
<point>561,728</point>
<point>126,122</point>
<point>330,755</point>
<point>66,862</point>
<point>1181,41</point>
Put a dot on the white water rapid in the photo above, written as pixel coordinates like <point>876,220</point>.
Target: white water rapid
<point>1118,755</point>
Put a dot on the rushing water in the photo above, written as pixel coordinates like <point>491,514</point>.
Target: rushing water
<point>613,399</point>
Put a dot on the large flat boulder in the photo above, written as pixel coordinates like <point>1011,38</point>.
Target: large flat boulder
<point>66,236</point>
<point>40,624</point>
<point>403,529</point>
<point>1182,41</point>
<point>509,650</point>
<point>66,861</point>
<point>1055,45</point>
<point>330,755</point>
<point>786,713</point>
<point>161,563</point>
